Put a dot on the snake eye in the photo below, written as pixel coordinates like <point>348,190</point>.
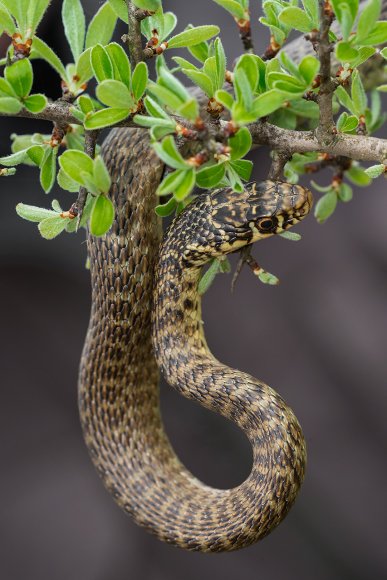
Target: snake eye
<point>266,224</point>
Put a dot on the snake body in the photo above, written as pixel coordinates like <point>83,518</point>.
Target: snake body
<point>118,387</point>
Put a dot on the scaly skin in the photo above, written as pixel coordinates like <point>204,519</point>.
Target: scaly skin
<point>118,396</point>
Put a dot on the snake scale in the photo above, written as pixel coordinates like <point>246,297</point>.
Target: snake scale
<point>146,315</point>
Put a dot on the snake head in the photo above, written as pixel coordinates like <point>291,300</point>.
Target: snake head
<point>224,221</point>
<point>261,210</point>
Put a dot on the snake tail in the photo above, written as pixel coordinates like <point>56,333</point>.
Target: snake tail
<point>144,292</point>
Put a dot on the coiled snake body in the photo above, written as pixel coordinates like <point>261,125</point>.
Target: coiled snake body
<point>118,394</point>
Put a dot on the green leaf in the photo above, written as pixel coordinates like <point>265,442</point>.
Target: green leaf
<point>243,167</point>
<point>48,170</point>
<point>75,26</point>
<point>296,18</point>
<point>36,154</point>
<point>101,175</point>
<point>186,186</point>
<point>364,53</point>
<point>35,13</point>
<point>193,36</point>
<point>220,60</point>
<point>166,209</point>
<point>85,104</point>
<point>10,106</point>
<point>375,170</point>
<point>292,236</point>
<point>345,52</point>
<point>243,90</point>
<point>189,110</point>
<point>268,102</point>
<point>74,163</point>
<point>346,12</point>
<point>232,7</point>
<point>171,182</point>
<point>311,7</point>
<point>144,121</point>
<point>358,176</point>
<point>7,23</point>
<point>250,64</point>
<point>154,109</point>
<point>35,103</point>
<point>345,192</point>
<point>309,67</point>
<point>359,97</point>
<point>6,89</point>
<point>102,216</point>
<point>347,123</point>
<point>51,227</point>
<point>211,176</point>
<point>165,96</point>
<point>378,35</point>
<point>56,206</point>
<point>184,63</point>
<point>34,214</point>
<point>102,26</point>
<point>170,21</point>
<point>120,8</point>
<point>170,82</point>
<point>234,179</point>
<point>201,80</point>
<point>381,88</point>
<point>139,80</point>
<point>383,52</point>
<point>240,143</point>
<point>345,99</point>
<point>367,19</point>
<point>225,99</point>
<point>15,158</point>
<point>199,51</point>
<point>83,68</point>
<point>325,206</point>
<point>151,5</point>
<point>101,63</point>
<point>105,118</point>
<point>65,182</point>
<point>18,9</point>
<point>168,153</point>
<point>208,277</point>
<point>120,61</point>
<point>20,77</point>
<point>268,278</point>
<point>41,50</point>
<point>114,94</point>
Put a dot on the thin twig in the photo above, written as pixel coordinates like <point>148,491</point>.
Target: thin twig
<point>280,159</point>
<point>245,35</point>
<point>327,86</point>
<point>134,41</point>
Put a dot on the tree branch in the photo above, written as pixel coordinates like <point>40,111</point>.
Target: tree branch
<point>56,112</point>
<point>283,140</point>
<point>133,38</point>
<point>356,147</point>
<point>327,87</point>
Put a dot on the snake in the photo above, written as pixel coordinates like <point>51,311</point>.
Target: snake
<point>146,318</point>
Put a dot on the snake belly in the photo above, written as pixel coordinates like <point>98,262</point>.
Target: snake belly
<point>118,385</point>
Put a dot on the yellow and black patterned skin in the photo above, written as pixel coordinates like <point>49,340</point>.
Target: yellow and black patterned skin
<point>132,277</point>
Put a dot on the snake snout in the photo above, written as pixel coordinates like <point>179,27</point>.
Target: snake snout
<point>294,204</point>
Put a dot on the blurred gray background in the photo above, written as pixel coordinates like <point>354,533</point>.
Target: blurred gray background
<point>319,339</point>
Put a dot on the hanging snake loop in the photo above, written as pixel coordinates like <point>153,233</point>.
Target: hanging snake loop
<point>118,394</point>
